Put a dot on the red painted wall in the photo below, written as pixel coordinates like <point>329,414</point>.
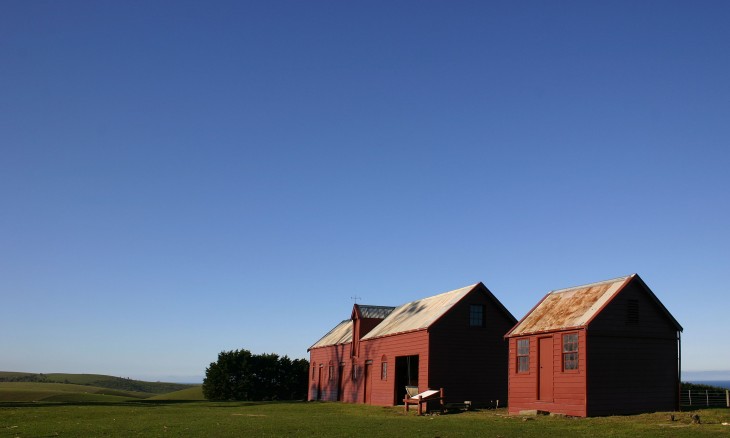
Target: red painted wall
<point>405,344</point>
<point>568,387</point>
<point>383,390</point>
<point>468,362</point>
<point>624,367</point>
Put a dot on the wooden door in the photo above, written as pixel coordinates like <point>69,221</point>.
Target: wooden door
<point>545,363</point>
<point>368,382</point>
<point>319,384</point>
<point>340,381</point>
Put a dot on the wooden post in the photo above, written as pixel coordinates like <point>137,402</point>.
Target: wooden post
<point>420,405</point>
<point>707,397</point>
<point>689,394</point>
<point>727,398</point>
<point>443,407</point>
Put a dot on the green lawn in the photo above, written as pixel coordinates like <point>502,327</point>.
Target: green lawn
<point>237,419</point>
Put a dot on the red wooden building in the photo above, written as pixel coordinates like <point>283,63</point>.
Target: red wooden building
<point>454,341</point>
<point>605,348</point>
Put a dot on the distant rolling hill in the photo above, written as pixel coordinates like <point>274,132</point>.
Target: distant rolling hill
<point>189,394</point>
<point>18,386</point>
<point>63,392</point>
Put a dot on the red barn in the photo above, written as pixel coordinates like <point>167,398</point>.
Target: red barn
<point>605,348</point>
<point>454,341</point>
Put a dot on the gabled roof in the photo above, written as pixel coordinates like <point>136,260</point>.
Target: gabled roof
<point>340,334</point>
<point>416,315</point>
<point>576,307</point>
<point>419,314</point>
<point>372,312</point>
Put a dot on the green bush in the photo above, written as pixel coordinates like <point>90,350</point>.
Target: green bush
<point>240,375</point>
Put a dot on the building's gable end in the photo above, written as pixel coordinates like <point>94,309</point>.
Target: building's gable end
<point>658,303</point>
<point>417,315</point>
<point>488,296</point>
<point>635,311</point>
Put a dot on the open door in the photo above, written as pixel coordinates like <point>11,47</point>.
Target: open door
<point>406,374</point>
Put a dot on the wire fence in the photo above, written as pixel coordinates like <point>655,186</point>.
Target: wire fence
<point>704,398</point>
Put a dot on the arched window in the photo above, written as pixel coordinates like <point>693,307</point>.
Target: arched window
<point>384,368</point>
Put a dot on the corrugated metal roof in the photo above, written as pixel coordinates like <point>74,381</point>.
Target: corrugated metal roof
<point>379,312</point>
<point>569,308</point>
<point>341,334</point>
<point>418,314</point>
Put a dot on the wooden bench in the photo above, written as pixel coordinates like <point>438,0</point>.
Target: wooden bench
<point>423,398</point>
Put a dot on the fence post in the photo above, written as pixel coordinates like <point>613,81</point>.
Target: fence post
<point>689,394</point>
<point>707,397</point>
<point>727,398</point>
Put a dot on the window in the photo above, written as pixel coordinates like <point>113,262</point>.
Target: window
<point>384,371</point>
<point>331,372</point>
<point>570,352</point>
<point>476,315</point>
<point>523,355</point>
<point>314,371</point>
<point>632,312</point>
<point>354,371</point>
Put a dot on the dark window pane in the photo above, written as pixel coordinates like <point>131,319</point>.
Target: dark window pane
<point>523,355</point>
<point>476,315</point>
<point>523,364</point>
<point>523,347</point>
<point>570,361</point>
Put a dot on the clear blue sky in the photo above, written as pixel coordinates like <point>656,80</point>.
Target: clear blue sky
<point>181,178</point>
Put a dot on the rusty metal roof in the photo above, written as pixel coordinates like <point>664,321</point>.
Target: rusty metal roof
<point>378,312</point>
<point>419,314</point>
<point>569,308</point>
<point>340,334</point>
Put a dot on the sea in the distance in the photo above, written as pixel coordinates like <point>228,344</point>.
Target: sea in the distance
<point>719,383</point>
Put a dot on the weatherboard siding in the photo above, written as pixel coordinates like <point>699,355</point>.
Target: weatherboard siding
<point>634,366</point>
<point>404,344</point>
<point>470,362</point>
<point>325,356</point>
<point>652,321</point>
<point>626,378</point>
<point>628,361</point>
<point>569,387</point>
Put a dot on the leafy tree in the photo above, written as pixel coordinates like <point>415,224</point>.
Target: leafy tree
<point>240,375</point>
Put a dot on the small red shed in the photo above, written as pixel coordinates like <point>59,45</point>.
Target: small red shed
<point>605,348</point>
<point>453,341</point>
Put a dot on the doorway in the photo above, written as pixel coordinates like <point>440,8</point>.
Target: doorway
<point>319,383</point>
<point>340,381</point>
<point>545,364</point>
<point>368,381</point>
<point>406,374</point>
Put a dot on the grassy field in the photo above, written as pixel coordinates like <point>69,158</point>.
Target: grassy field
<point>190,394</point>
<point>72,393</point>
<point>62,392</point>
<point>145,418</point>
